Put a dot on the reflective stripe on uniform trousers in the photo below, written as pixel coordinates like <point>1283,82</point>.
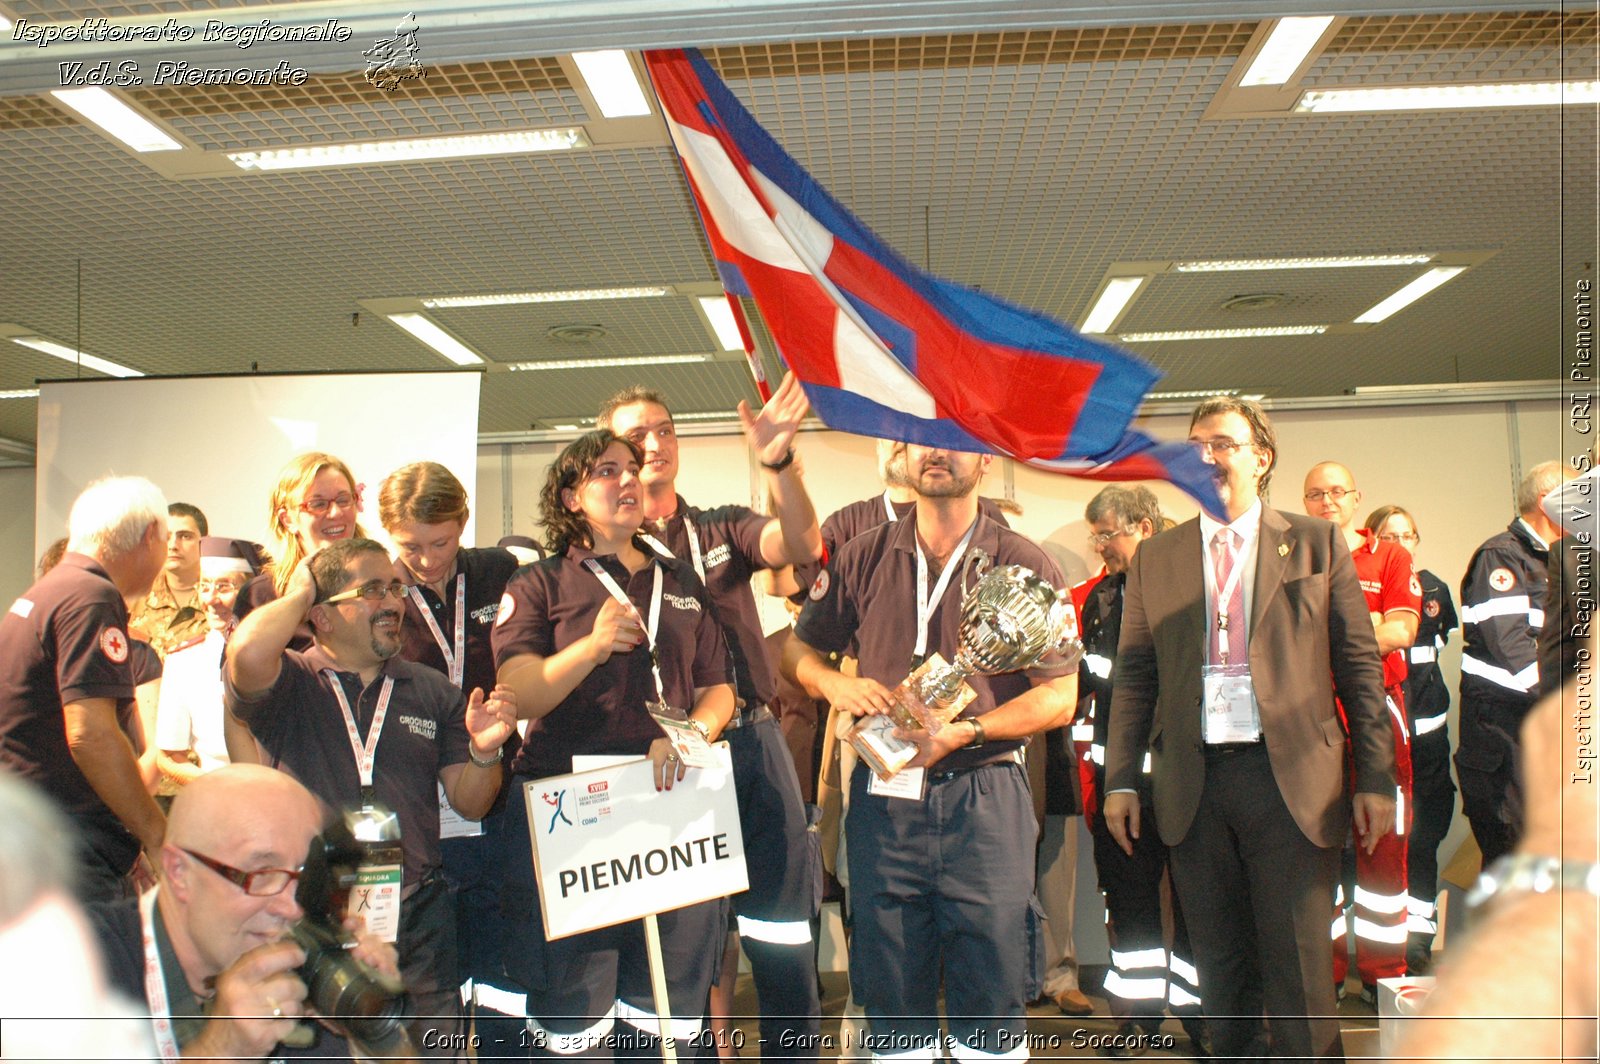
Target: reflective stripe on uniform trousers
<point>1422,655</point>
<point>567,1045</point>
<point>489,996</point>
<point>1420,916</point>
<point>1099,665</point>
<point>1083,733</point>
<point>1152,988</point>
<point>1183,983</point>
<point>968,1055</point>
<point>1373,932</point>
<point>781,932</point>
<point>1127,980</point>
<point>1380,903</point>
<point>1522,682</point>
<point>681,1028</point>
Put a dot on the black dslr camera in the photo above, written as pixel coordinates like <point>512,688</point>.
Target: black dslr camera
<point>362,1002</point>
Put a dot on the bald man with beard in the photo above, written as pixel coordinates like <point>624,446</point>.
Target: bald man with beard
<point>223,983</point>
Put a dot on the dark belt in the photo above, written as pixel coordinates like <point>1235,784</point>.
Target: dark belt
<point>754,716</point>
<point>1015,757</point>
<point>1230,749</point>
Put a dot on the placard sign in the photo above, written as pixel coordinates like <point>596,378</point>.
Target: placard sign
<point>608,847</point>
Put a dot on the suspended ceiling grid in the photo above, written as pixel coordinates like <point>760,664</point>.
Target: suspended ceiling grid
<point>1024,162</point>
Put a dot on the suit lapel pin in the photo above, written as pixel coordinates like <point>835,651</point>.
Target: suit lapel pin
<point>1283,550</point>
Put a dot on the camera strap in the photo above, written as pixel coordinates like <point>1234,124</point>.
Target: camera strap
<point>155,981</point>
<point>655,613</point>
<point>455,662</point>
<point>926,604</point>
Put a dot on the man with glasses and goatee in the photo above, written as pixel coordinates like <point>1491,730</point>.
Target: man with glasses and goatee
<point>369,733</point>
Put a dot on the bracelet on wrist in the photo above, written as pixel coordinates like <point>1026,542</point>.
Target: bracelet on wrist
<point>978,737</point>
<point>488,762</point>
<point>781,464</point>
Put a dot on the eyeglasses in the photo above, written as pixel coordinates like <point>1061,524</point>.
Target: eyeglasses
<point>1400,537</point>
<point>1221,445</point>
<point>372,591</point>
<point>218,587</point>
<point>263,883</point>
<point>1100,539</point>
<point>317,507</point>
<point>1336,494</point>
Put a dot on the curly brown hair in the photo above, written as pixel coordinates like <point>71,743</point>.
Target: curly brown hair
<point>571,468</point>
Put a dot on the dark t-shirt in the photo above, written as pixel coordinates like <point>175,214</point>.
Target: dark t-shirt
<point>868,598</point>
<point>66,640</point>
<point>552,604</point>
<point>730,552</point>
<point>299,723</point>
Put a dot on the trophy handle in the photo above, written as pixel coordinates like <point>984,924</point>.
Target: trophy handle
<point>976,560</point>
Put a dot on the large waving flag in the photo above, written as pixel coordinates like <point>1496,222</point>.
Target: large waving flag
<point>883,348</point>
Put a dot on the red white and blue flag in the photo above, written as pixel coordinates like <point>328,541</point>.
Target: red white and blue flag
<point>883,348</point>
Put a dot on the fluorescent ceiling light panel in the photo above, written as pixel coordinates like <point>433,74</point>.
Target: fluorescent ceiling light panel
<point>1119,292</point>
<point>604,363</point>
<point>424,329</point>
<point>20,393</point>
<point>720,315</point>
<point>707,415</point>
<point>612,83</point>
<point>77,358</point>
<point>1410,294</point>
<point>1328,263</point>
<point>395,151</point>
<point>117,118</point>
<point>1444,97</point>
<point>1197,394</point>
<point>1290,41</point>
<point>1222,334</point>
<point>572,296</point>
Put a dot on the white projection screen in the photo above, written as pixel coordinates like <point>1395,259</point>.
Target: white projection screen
<point>219,442</point>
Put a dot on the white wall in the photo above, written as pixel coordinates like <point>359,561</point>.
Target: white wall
<point>16,533</point>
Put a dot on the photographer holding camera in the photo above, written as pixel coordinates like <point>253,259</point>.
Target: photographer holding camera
<point>209,949</point>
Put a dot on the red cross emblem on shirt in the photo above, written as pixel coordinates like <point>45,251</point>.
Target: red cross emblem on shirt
<point>114,645</point>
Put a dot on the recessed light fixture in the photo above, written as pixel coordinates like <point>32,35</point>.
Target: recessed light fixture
<point>1332,262</point>
<point>707,415</point>
<point>1410,294</point>
<point>100,107</point>
<point>1221,334</point>
<point>48,346</point>
<point>606,363</point>
<point>720,314</point>
<point>394,151</point>
<point>612,83</point>
<point>20,393</point>
<point>1116,296</point>
<point>1287,46</point>
<point>424,329</point>
<point>1447,97</point>
<point>1200,393</point>
<point>571,296</point>
<point>565,428</point>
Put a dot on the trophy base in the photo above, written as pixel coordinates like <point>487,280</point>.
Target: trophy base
<point>873,737</point>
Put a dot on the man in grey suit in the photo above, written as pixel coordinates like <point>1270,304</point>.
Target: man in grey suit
<point>1231,626</point>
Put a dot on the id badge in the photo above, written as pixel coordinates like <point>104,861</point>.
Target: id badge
<point>375,897</point>
<point>907,783</point>
<point>1230,705</point>
<point>686,739</point>
<point>452,825</point>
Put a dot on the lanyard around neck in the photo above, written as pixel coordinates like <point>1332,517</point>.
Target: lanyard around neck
<point>455,661</point>
<point>692,535</point>
<point>155,980</point>
<point>366,753</point>
<point>594,566</point>
<point>926,603</point>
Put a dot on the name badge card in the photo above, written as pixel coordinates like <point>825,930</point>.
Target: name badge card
<point>1230,705</point>
<point>907,783</point>
<point>375,898</point>
<point>686,739</point>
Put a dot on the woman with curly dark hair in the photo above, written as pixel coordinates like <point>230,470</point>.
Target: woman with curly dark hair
<point>568,640</point>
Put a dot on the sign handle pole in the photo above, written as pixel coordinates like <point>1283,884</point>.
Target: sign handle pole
<point>658,984</point>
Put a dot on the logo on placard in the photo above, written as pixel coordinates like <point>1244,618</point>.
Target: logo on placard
<point>819,586</point>
<point>556,799</point>
<point>1502,580</point>
<point>114,645</point>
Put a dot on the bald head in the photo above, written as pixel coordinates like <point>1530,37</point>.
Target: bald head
<point>235,802</point>
<point>1331,493</point>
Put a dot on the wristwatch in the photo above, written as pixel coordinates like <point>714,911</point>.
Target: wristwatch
<point>781,464</point>
<point>499,755</point>
<point>1521,873</point>
<point>978,737</point>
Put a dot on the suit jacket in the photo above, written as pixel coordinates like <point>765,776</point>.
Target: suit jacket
<point>1308,619</point>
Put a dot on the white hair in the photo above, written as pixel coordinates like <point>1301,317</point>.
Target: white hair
<point>1540,481</point>
<point>111,516</point>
